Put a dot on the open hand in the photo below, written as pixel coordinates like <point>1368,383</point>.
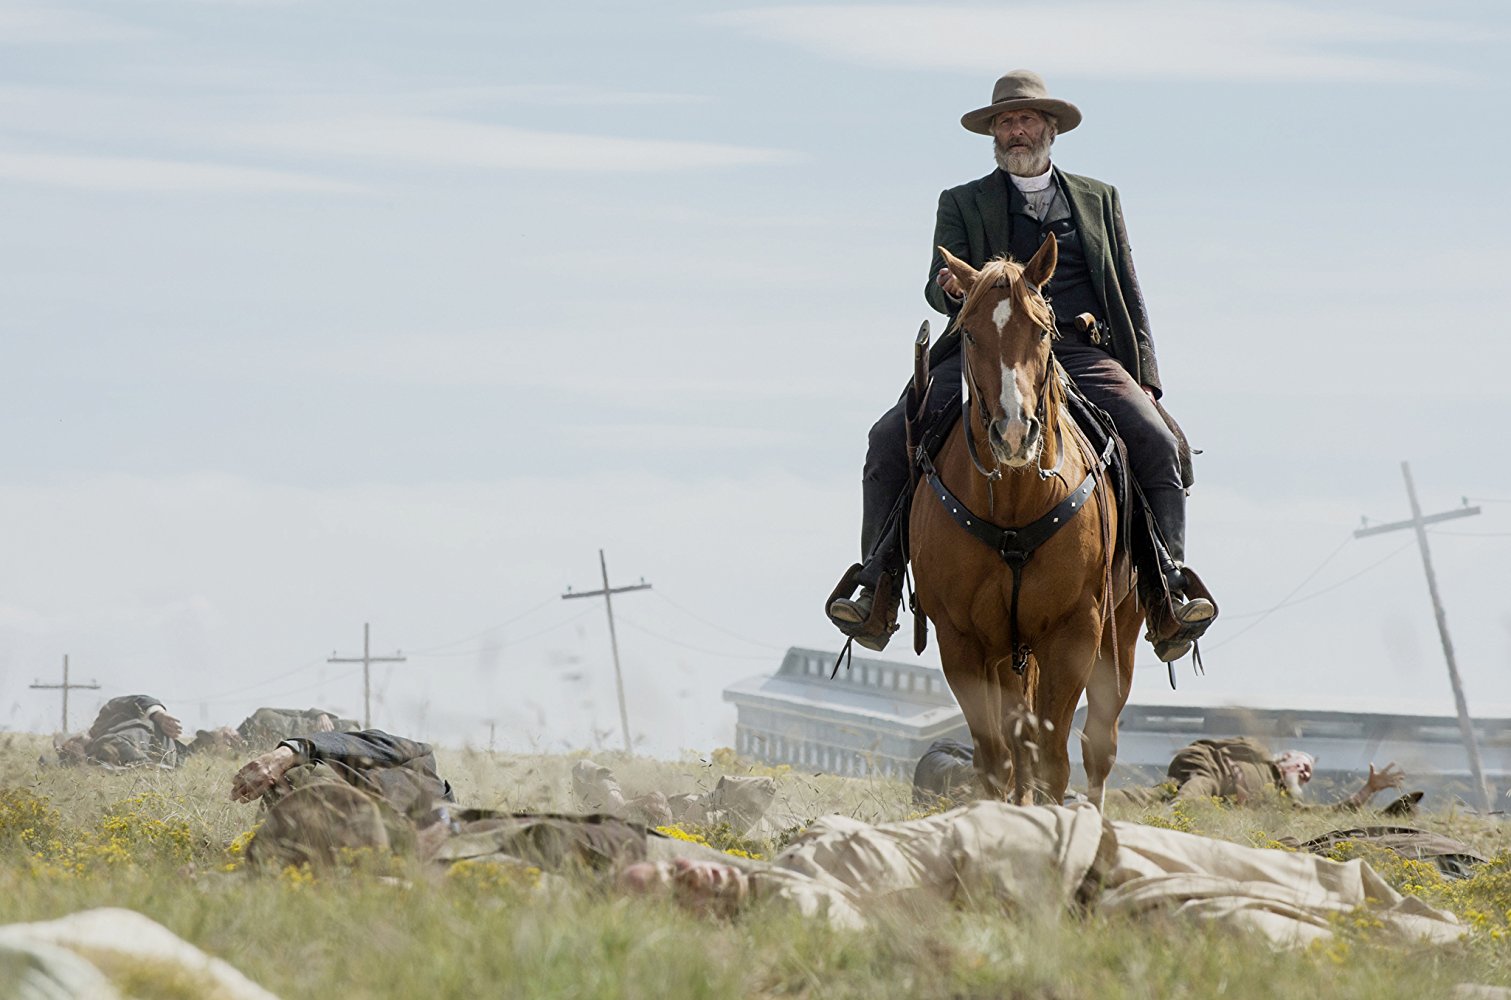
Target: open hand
<point>1390,777</point>
<point>168,725</point>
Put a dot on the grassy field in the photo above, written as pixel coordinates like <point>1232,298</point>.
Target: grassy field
<point>167,844</point>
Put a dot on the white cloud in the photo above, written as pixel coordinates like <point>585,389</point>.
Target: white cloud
<point>1167,39</point>
<point>448,142</point>
<point>121,173</point>
<point>37,24</point>
<point>550,94</point>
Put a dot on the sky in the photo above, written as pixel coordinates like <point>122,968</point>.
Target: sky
<point>324,313</point>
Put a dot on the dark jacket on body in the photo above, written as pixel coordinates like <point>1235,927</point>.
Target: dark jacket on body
<point>399,771</point>
<point>124,736</point>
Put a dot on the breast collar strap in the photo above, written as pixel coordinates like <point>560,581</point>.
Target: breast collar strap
<point>1017,545</point>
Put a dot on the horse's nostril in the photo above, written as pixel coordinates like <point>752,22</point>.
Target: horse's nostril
<point>1033,431</point>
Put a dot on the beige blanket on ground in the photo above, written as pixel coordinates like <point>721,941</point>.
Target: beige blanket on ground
<point>75,957</point>
<point>1052,855</point>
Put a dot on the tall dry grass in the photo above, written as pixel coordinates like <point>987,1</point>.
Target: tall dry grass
<point>160,843</point>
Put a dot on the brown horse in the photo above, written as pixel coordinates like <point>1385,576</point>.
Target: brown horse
<point>1019,648</point>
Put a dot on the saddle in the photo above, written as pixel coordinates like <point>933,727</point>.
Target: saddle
<point>933,411</point>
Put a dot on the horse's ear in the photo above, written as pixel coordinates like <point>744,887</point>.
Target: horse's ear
<point>962,271</point>
<point>1042,266</point>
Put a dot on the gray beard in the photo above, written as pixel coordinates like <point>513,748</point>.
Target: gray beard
<point>1292,782</point>
<point>1030,161</point>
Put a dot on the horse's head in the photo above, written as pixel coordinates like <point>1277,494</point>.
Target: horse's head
<point>1006,327</point>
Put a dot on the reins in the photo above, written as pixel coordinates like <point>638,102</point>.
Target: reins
<point>1041,411</point>
<point>1015,546</point>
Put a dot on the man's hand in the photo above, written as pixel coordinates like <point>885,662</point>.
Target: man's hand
<point>946,280</point>
<point>166,724</point>
<point>1148,391</point>
<point>255,778</point>
<point>1390,777</point>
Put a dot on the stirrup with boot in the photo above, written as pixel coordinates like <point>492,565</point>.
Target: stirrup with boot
<point>1179,615</point>
<point>870,617</point>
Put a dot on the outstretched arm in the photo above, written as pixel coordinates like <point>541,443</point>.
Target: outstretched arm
<point>257,776</point>
<point>365,750</point>
<point>371,749</point>
<point>1390,777</point>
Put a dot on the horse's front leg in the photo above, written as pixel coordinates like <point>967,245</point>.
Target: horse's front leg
<point>1066,663</point>
<point>965,669</point>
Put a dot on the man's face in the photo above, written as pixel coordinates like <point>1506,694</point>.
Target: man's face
<point>1022,139</point>
<point>1295,769</point>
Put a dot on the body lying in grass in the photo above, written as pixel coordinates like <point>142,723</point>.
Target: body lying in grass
<point>1236,769</point>
<point>332,792</point>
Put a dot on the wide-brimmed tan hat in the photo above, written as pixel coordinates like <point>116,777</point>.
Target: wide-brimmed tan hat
<point>1022,88</point>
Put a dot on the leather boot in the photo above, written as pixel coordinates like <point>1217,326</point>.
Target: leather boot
<point>1181,610</point>
<point>870,617</point>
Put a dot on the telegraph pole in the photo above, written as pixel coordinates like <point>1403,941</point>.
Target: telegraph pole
<point>66,687</point>
<point>1419,524</point>
<point>367,660</point>
<point>608,603</point>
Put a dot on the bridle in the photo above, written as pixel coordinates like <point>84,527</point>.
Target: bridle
<point>973,391</point>
<point>1016,545</point>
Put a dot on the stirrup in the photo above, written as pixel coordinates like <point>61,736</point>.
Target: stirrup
<point>876,631</point>
<point>1173,631</point>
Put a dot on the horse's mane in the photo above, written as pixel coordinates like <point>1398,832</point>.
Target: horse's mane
<point>1002,271</point>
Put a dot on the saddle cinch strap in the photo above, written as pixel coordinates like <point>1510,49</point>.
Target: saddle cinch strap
<point>1017,545</point>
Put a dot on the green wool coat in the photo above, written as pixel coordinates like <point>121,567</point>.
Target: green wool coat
<point>973,225</point>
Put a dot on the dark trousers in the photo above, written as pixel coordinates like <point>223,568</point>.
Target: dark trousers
<point>1153,452</point>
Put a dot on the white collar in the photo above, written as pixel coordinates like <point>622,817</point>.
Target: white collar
<point>1036,183</point>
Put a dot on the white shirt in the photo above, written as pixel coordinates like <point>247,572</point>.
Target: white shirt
<point>1038,191</point>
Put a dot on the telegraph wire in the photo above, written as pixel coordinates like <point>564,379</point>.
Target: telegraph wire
<point>1305,580</point>
<point>719,628</point>
<point>504,645</point>
<point>224,695</point>
<point>1287,602</point>
<point>492,628</point>
<point>285,692</point>
<point>687,645</point>
<point>1471,534</point>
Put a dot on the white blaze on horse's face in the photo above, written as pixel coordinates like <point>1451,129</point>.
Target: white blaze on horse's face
<point>1003,313</point>
<point>1014,434</point>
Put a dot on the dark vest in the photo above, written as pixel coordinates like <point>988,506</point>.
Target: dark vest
<point>1070,290</point>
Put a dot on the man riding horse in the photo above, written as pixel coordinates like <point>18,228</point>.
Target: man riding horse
<point>1102,342</point>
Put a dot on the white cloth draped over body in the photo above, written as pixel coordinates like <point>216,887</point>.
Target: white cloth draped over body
<point>841,868</point>
<point>76,958</point>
